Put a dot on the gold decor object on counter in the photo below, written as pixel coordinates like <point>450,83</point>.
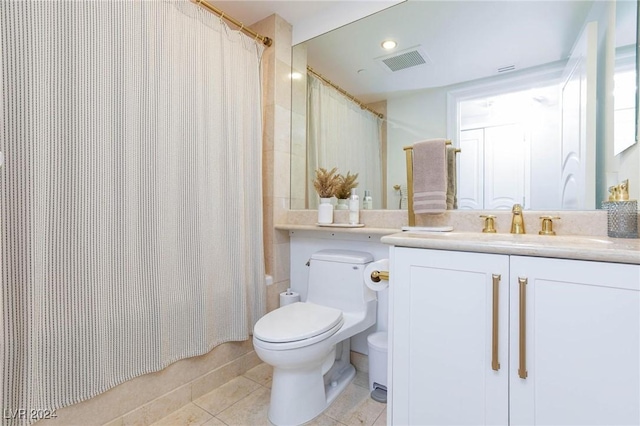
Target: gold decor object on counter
<point>622,213</point>
<point>489,224</point>
<point>619,192</point>
<point>547,225</point>
<point>517,221</point>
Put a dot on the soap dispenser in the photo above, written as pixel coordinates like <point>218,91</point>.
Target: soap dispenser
<point>354,207</point>
<point>367,201</point>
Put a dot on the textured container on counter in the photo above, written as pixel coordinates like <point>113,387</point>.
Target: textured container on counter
<point>622,218</point>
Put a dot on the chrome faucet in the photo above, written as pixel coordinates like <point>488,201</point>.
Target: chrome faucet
<point>517,221</point>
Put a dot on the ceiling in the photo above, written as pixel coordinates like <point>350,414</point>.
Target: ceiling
<point>463,40</point>
<point>250,12</point>
<point>309,18</point>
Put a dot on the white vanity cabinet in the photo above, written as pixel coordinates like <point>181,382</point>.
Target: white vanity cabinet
<point>581,323</point>
<point>566,335</point>
<point>442,337</point>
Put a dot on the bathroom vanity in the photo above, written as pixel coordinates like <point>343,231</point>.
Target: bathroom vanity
<point>514,329</point>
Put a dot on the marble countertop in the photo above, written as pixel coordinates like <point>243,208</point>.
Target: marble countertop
<point>604,249</point>
<point>339,228</point>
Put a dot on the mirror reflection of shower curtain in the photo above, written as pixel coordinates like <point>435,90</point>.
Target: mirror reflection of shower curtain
<point>343,135</point>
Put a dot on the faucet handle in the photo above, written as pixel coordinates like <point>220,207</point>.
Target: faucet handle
<point>547,225</point>
<point>489,223</point>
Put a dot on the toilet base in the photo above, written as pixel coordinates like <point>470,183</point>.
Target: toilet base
<point>300,396</point>
<point>332,391</point>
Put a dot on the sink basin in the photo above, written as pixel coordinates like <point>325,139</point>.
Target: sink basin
<point>587,240</point>
<point>528,240</point>
<point>557,246</point>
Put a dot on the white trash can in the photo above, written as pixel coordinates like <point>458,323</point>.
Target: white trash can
<point>378,345</point>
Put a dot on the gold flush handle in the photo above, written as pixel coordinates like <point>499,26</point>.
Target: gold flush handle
<point>377,276</point>
<point>547,225</point>
<point>489,224</point>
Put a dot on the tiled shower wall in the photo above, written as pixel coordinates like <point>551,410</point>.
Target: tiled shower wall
<point>276,149</point>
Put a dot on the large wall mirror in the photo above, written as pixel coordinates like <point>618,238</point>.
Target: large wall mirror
<point>539,97</point>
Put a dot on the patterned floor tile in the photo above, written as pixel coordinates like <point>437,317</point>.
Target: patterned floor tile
<point>226,395</point>
<point>189,415</point>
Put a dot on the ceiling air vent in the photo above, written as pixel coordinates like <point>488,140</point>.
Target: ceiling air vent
<point>506,68</point>
<point>408,58</point>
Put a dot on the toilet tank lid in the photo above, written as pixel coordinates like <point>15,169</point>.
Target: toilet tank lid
<point>343,256</point>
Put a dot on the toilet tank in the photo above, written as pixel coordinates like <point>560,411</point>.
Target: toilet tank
<point>336,279</point>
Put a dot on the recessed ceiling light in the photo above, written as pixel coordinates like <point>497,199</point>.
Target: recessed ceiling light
<point>389,44</point>
<point>295,76</point>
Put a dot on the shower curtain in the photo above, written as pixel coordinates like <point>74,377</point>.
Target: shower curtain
<point>343,135</point>
<point>130,198</point>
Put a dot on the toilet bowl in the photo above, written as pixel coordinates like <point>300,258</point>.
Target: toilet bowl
<point>307,343</point>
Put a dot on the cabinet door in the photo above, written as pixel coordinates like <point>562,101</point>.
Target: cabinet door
<point>581,343</point>
<point>442,337</point>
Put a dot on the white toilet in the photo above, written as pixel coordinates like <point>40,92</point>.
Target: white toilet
<point>307,343</point>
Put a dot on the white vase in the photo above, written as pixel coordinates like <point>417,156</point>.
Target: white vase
<point>343,204</point>
<point>325,211</point>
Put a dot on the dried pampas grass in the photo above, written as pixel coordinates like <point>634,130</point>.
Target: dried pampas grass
<point>347,183</point>
<point>326,182</point>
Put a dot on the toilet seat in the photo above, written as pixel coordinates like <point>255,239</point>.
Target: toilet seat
<point>296,325</point>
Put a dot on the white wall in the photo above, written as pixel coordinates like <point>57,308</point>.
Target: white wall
<point>625,164</point>
<point>305,243</point>
<point>412,118</point>
<point>545,159</point>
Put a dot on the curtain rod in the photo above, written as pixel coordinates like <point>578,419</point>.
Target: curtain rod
<point>344,92</point>
<point>265,40</point>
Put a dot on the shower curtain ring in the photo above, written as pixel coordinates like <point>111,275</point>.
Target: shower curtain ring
<point>221,18</point>
<point>241,26</point>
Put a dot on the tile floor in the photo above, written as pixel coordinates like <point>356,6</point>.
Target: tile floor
<point>245,401</point>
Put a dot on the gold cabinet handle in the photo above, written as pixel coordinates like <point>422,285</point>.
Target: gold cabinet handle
<point>495,364</point>
<point>522,369</point>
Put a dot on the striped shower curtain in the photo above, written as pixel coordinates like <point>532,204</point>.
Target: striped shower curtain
<point>130,198</point>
